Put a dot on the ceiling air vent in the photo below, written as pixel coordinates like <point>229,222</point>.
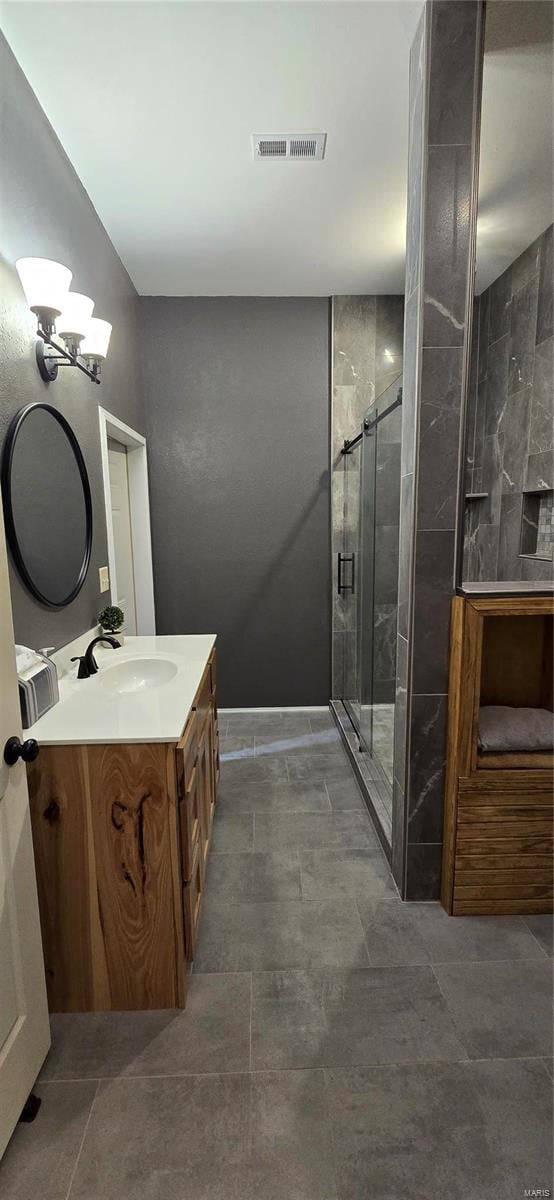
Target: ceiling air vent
<point>302,147</point>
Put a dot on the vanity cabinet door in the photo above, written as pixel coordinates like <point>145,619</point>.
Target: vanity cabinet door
<point>206,785</point>
<point>189,794</point>
<point>192,899</point>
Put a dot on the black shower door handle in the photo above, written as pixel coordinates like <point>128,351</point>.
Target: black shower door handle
<point>345,587</point>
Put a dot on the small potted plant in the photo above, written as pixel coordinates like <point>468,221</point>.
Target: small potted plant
<point>111,620</point>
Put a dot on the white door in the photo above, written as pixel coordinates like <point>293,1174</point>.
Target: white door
<point>24,1026</point>
<point>122,536</point>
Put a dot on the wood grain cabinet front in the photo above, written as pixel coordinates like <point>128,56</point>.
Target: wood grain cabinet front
<point>499,808</point>
<point>121,836</point>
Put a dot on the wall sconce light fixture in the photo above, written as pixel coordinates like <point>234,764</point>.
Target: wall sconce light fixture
<point>67,333</point>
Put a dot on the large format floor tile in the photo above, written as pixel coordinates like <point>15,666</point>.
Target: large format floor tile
<point>312,831</point>
<point>266,937</point>
<point>233,833</point>
<point>266,724</point>
<point>328,765</point>
<point>345,793</point>
<point>351,872</point>
<point>417,933</point>
<point>461,1131</point>
<point>542,928</point>
<point>501,1009</point>
<point>40,1159</point>
<point>268,797</point>
<point>339,1018</point>
<point>211,1034</point>
<point>227,1137</point>
<point>238,877</point>
<point>321,741</point>
<point>251,768</point>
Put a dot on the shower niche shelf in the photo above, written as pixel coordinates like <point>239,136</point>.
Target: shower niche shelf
<point>537,525</point>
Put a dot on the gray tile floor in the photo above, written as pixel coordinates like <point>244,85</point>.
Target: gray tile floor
<point>337,1043</point>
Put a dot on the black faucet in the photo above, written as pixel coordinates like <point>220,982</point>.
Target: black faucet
<point>87,663</point>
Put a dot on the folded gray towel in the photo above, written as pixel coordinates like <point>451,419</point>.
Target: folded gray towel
<point>503,729</point>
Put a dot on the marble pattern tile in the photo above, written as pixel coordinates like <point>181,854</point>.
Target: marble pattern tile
<point>384,648</point>
<point>353,340</point>
<point>405,552</point>
<point>434,568</point>
<point>540,471</point>
<point>423,870</point>
<point>446,256</point>
<point>546,281</point>
<point>541,430</point>
<point>451,75</point>
<point>500,305</point>
<point>439,436</point>
<point>427,767</point>
<point>508,562</point>
<point>523,326</point>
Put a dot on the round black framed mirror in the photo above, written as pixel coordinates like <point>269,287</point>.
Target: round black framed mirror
<point>47,504</point>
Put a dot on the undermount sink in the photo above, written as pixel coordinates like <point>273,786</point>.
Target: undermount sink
<point>137,675</point>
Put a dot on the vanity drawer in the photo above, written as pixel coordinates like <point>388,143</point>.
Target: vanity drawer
<point>203,699</point>
<point>187,750</point>
<point>190,823</point>
<point>213,669</point>
<point>192,899</point>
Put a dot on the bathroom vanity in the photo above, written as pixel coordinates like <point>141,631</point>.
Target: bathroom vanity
<point>122,800</point>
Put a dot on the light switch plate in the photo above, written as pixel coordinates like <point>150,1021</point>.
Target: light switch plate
<point>104,576</point>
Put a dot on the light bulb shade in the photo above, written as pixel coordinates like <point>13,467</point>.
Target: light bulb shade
<point>45,284</point>
<point>97,339</point>
<point>73,321</point>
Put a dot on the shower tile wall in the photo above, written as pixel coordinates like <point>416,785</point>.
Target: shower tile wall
<point>367,357</point>
<point>440,170</point>
<point>510,416</point>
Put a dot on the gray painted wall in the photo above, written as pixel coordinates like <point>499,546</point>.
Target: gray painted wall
<point>46,212</point>
<point>237,412</point>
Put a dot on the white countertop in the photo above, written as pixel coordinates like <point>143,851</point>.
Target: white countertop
<point>88,711</point>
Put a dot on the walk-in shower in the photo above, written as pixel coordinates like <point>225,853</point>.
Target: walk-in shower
<point>366,580</point>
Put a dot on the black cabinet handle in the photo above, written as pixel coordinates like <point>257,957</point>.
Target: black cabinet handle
<point>345,587</point>
<point>14,749</point>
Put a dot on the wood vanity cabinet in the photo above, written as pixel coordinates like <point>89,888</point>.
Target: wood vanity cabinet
<point>121,834</point>
<point>499,808</point>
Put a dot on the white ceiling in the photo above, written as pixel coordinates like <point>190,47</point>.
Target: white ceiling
<point>155,104</point>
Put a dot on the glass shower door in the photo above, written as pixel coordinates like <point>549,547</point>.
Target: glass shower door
<point>348,583</point>
<point>378,593</point>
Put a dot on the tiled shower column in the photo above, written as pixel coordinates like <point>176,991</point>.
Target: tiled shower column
<point>444,76</point>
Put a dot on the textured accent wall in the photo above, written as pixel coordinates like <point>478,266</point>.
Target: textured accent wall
<point>367,357</point>
<point>443,95</point>
<point>46,212</point>
<point>237,413</point>
<point>511,419</point>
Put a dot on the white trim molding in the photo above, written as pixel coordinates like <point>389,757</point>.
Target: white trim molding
<point>139,502</point>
